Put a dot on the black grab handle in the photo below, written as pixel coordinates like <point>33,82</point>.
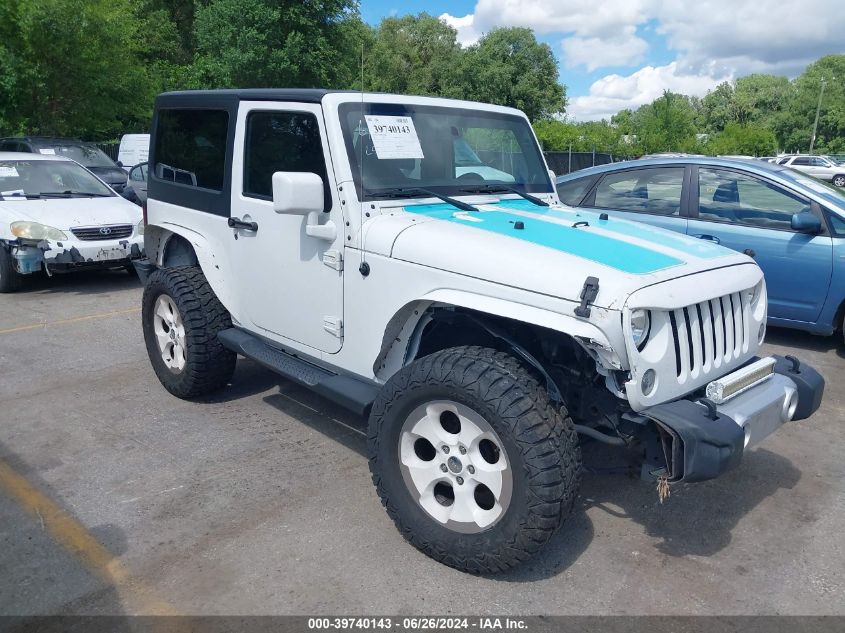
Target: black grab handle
<point>237,223</point>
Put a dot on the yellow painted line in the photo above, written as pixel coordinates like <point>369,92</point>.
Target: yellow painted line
<point>70,534</point>
<point>88,317</point>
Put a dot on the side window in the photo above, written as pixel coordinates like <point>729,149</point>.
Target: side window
<point>802,161</point>
<point>282,141</point>
<point>572,191</point>
<point>656,191</point>
<point>819,162</point>
<point>190,147</point>
<point>143,169</point>
<point>135,174</point>
<point>726,196</point>
<point>838,223</point>
<point>8,146</point>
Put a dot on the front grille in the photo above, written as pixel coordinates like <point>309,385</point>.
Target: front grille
<point>710,334</point>
<point>113,232</point>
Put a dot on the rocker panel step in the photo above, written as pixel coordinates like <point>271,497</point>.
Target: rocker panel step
<point>351,393</point>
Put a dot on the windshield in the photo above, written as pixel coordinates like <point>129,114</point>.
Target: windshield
<point>20,179</point>
<point>441,149</point>
<point>826,190</point>
<point>87,155</point>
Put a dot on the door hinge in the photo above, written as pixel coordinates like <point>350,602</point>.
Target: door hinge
<point>333,259</point>
<point>333,325</point>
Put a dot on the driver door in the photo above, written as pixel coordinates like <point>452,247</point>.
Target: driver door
<point>290,283</point>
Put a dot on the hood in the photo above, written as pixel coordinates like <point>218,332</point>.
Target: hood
<point>549,250</point>
<point>111,175</point>
<point>65,213</point>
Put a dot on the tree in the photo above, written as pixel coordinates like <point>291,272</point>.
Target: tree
<point>795,127</point>
<point>666,124</point>
<point>510,67</point>
<point>716,108</point>
<point>414,54</point>
<point>71,68</point>
<point>265,43</point>
<point>749,140</point>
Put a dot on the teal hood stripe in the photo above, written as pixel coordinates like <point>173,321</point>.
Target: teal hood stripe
<point>579,242</point>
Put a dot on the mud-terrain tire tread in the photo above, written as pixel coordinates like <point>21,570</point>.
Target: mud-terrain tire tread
<point>10,279</point>
<point>209,365</point>
<point>544,434</point>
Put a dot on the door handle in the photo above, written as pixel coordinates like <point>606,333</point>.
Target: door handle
<point>709,238</point>
<point>237,223</point>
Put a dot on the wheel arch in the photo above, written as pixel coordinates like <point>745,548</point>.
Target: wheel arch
<point>404,337</point>
<point>172,245</point>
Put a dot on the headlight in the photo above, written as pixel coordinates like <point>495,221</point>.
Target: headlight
<point>36,231</point>
<point>140,228</point>
<point>753,294</point>
<point>640,326</point>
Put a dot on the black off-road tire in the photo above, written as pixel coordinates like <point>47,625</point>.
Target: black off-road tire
<point>539,440</point>
<point>10,279</point>
<point>209,365</point>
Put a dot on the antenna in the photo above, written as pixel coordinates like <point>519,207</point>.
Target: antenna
<point>364,268</point>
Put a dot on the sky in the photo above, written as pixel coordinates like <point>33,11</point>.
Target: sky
<point>616,54</point>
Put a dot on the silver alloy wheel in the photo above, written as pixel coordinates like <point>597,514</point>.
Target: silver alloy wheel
<point>839,181</point>
<point>170,333</point>
<point>455,466</point>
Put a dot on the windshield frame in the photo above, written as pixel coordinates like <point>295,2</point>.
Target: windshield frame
<point>384,108</point>
<point>99,190</point>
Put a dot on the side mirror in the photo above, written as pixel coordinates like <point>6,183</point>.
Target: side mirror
<point>806,222</point>
<point>120,163</point>
<point>299,193</point>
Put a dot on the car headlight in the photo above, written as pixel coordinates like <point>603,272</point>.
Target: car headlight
<point>140,228</point>
<point>754,293</point>
<point>640,326</point>
<point>36,231</point>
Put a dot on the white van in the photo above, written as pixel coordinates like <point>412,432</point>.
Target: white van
<point>133,150</point>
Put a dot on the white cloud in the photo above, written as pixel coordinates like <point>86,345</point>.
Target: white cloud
<point>467,33</point>
<point>613,93</point>
<point>595,52</point>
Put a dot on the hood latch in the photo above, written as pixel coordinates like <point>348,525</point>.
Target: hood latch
<point>588,294</point>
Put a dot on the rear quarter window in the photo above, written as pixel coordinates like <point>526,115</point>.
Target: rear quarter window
<point>190,147</point>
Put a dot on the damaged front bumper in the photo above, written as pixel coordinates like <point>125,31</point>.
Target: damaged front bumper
<point>54,256</point>
<point>699,440</point>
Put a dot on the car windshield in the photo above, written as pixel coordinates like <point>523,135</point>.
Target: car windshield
<point>400,149</point>
<point>23,179</point>
<point>826,190</point>
<point>87,155</point>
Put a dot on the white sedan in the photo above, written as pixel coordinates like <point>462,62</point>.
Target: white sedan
<point>56,216</point>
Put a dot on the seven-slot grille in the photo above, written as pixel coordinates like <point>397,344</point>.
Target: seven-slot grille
<point>113,232</point>
<point>709,334</point>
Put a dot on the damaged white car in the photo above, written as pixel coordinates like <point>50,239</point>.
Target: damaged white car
<point>56,216</point>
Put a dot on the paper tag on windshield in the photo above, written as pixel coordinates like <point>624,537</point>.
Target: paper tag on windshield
<point>49,150</point>
<point>8,172</point>
<point>394,136</point>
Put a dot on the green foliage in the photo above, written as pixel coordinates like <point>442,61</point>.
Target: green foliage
<point>414,54</point>
<point>666,124</point>
<point>749,140</point>
<point>510,67</point>
<point>555,135</point>
<point>265,43</point>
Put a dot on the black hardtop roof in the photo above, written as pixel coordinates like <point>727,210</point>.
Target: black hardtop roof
<point>302,95</point>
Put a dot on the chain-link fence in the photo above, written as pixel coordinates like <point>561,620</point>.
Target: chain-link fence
<point>568,161</point>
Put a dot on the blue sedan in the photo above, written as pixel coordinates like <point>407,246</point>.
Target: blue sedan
<point>792,224</point>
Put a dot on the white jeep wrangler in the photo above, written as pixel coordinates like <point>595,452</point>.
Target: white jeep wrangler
<point>408,258</point>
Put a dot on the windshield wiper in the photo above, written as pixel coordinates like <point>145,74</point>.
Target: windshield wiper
<point>69,193</point>
<point>496,188</point>
<point>410,192</point>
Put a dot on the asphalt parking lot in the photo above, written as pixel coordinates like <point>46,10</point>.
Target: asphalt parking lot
<point>117,498</point>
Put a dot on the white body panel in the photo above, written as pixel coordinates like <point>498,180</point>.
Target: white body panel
<point>275,283</point>
<point>134,150</point>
